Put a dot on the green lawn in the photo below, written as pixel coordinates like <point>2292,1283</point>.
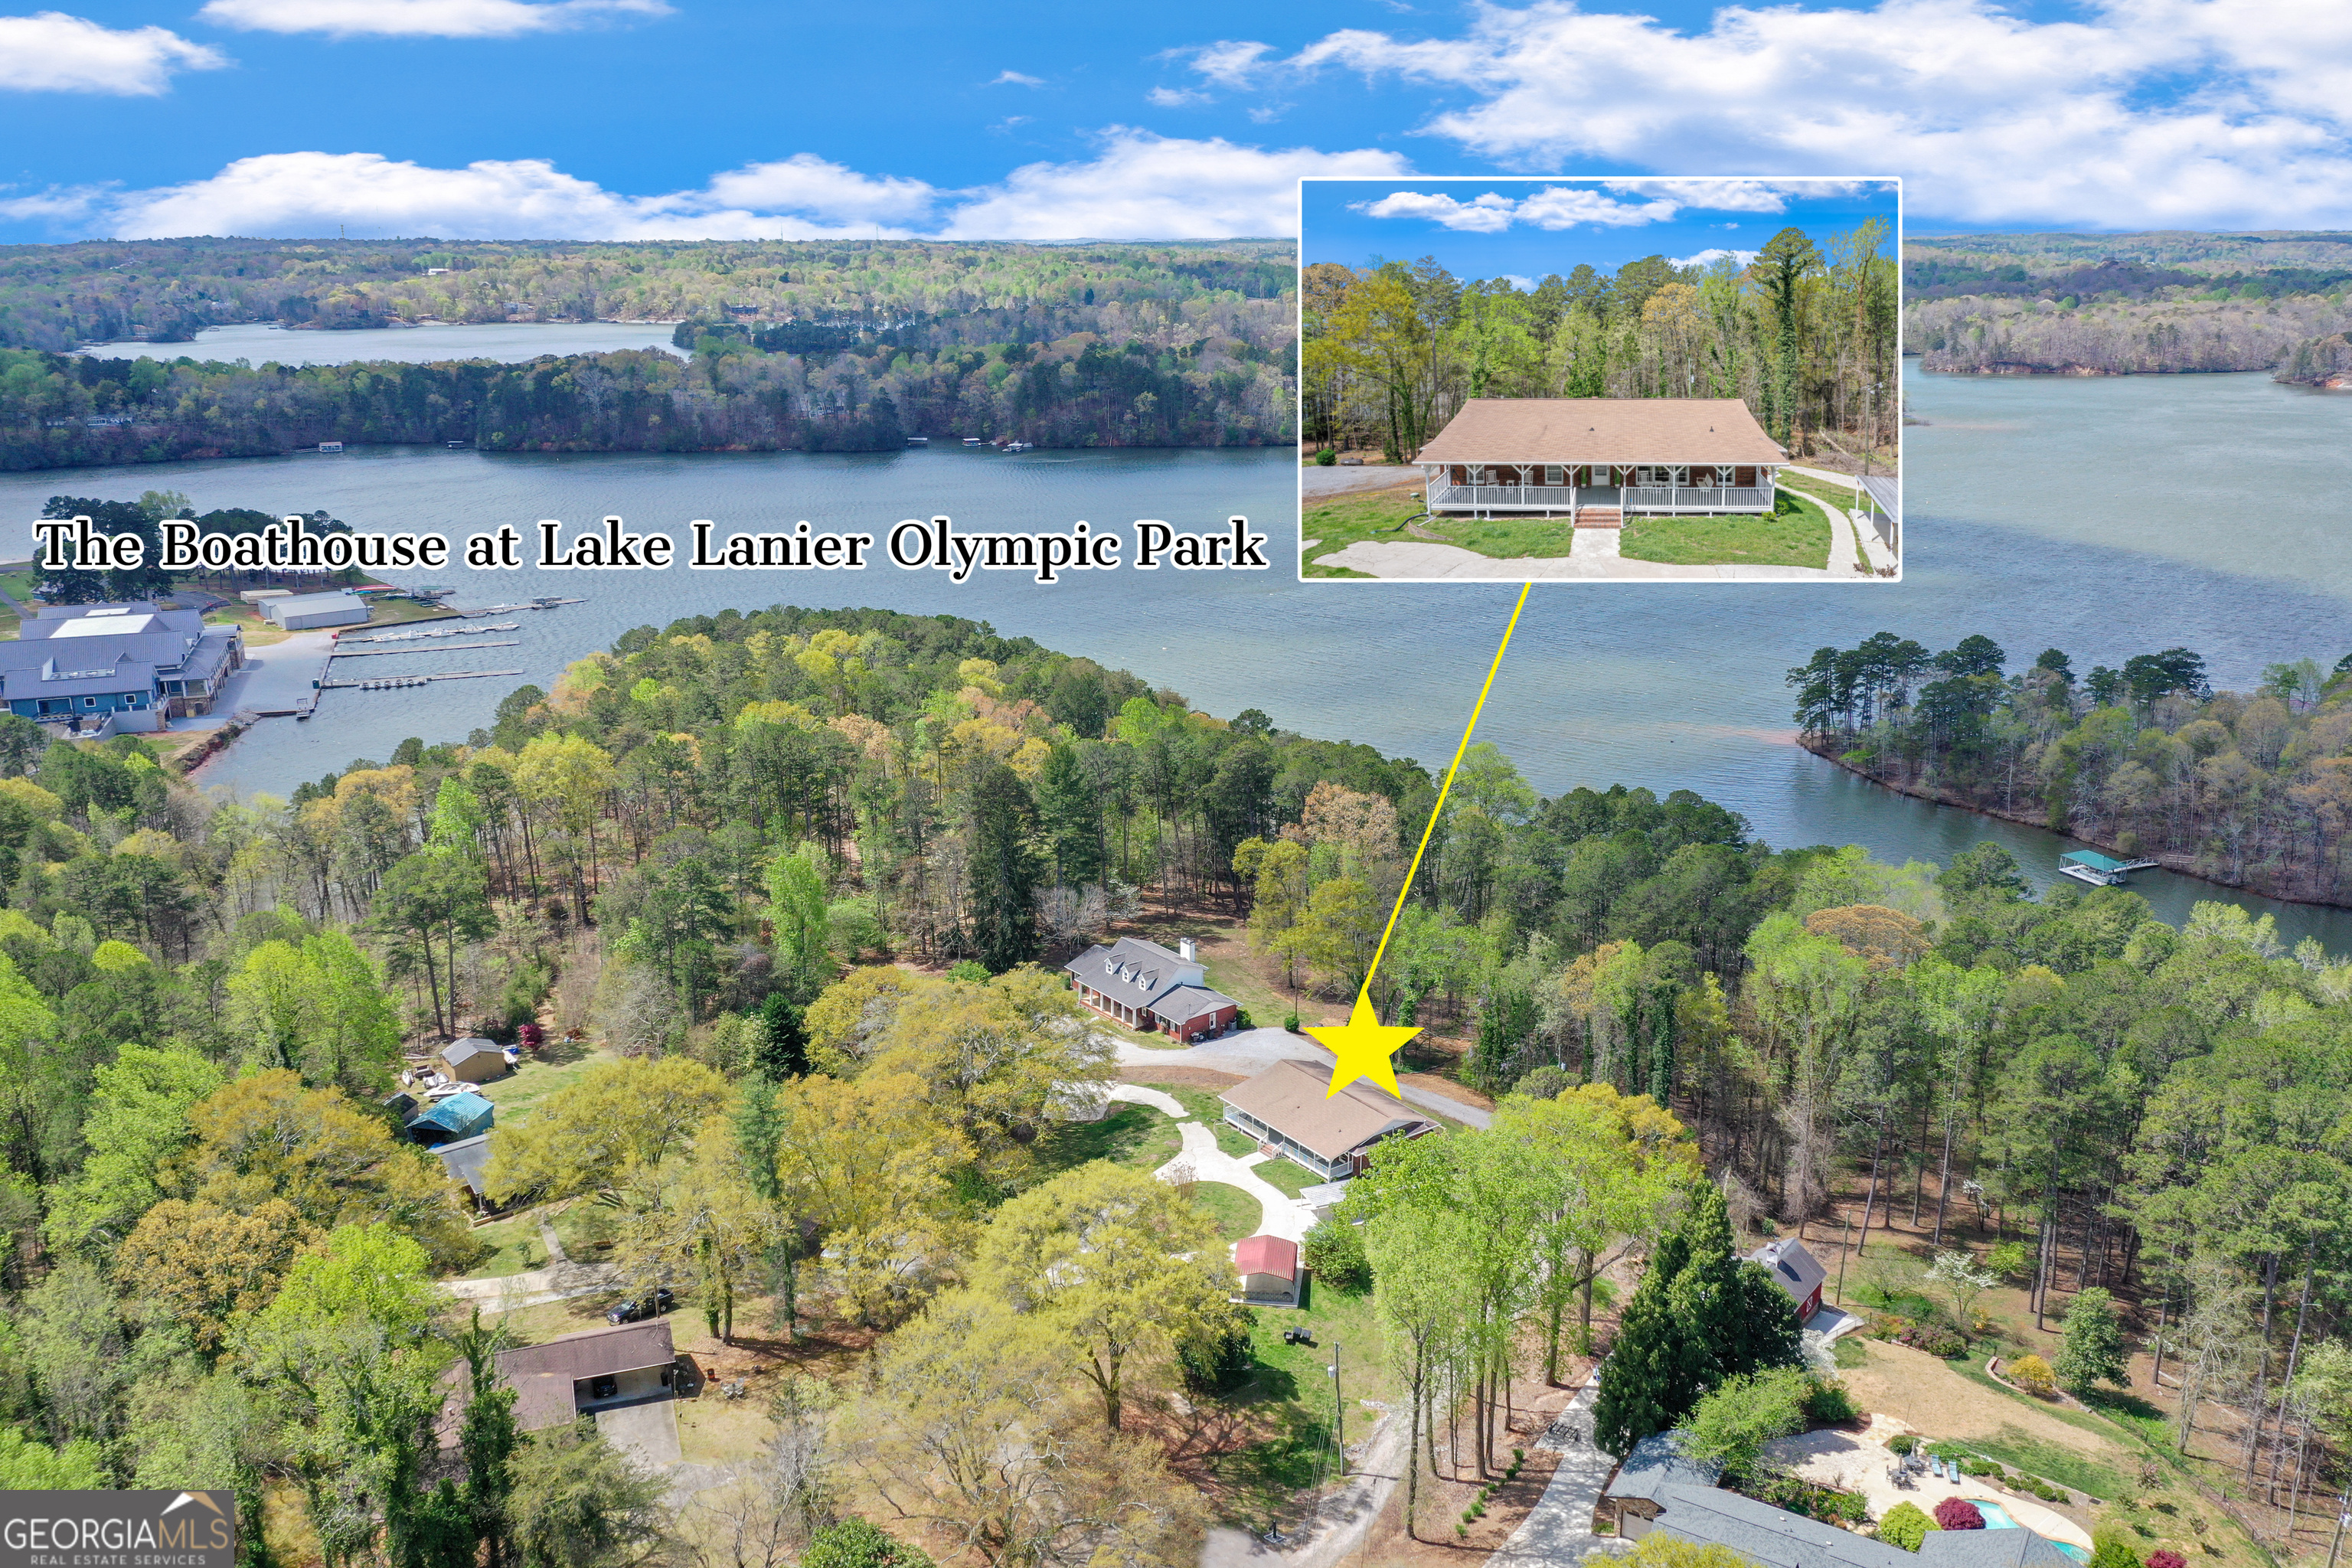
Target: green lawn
<point>511,1246</point>
<point>1825,490</point>
<point>1342,520</point>
<point>1334,522</point>
<point>1797,534</point>
<point>587,1230</point>
<point>1285,1178</point>
<point>1237,1213</point>
<point>1137,1136</point>
<point>518,1094</point>
<point>1288,1386</point>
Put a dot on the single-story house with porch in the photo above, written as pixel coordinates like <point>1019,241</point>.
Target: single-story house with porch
<point>460,1116</point>
<point>1795,1270</point>
<point>1269,1266</point>
<point>1145,986</point>
<point>1595,460</point>
<point>473,1059</point>
<point>577,1374</point>
<point>1289,1109</point>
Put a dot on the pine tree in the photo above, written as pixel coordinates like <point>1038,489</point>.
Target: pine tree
<point>1632,1401</point>
<point>1069,815</point>
<point>1004,870</point>
<point>782,1050</point>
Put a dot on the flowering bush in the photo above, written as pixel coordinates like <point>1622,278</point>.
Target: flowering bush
<point>2032,1373</point>
<point>2165,1558</point>
<point>1957,1513</point>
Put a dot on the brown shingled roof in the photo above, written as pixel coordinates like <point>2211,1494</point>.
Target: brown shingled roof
<point>1603,430</point>
<point>1293,1097</point>
<point>542,1375</point>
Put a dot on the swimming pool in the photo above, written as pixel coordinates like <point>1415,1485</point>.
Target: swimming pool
<point>1998,1518</point>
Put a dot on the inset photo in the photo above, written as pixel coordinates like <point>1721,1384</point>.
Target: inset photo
<point>1600,380</point>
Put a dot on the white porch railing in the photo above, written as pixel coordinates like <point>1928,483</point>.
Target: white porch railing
<point>1698,498</point>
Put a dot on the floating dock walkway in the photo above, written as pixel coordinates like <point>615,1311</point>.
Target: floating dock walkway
<point>2099,870</point>
<point>389,682</point>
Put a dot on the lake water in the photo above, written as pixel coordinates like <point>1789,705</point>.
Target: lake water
<point>2081,514</point>
<point>511,342</point>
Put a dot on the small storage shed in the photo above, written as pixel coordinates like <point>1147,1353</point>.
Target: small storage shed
<point>465,1159</point>
<point>306,612</point>
<point>473,1059</point>
<point>460,1116</point>
<point>1794,1269</point>
<point>1269,1266</point>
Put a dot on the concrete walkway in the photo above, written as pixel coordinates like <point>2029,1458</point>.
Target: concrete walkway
<point>1280,1213</point>
<point>1251,1052</point>
<point>1558,1529</point>
<point>1159,1099</point>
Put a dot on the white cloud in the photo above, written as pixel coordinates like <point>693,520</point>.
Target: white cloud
<point>1230,64</point>
<point>52,52</point>
<point>1487,214</point>
<point>1015,78</point>
<point>1709,257</point>
<point>806,184</point>
<point>1565,207</point>
<point>421,18</point>
<point>1138,186</point>
<point>1177,97</point>
<point>2135,113</point>
<point>1524,285</point>
<point>1551,207</point>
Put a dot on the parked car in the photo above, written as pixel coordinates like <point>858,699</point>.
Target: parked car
<point>633,1310</point>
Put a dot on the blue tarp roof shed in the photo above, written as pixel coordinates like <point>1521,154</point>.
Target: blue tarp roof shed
<point>459,1116</point>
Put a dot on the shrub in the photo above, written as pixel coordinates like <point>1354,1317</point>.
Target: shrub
<point>1902,1443</point>
<point>1545,1082</point>
<point>1935,1339</point>
<point>1327,457</point>
<point>1291,1022</point>
<point>1905,1526</point>
<point>969,970</point>
<point>1957,1513</point>
<point>2093,1350</point>
<point>1828,1403</point>
<point>2165,1557</point>
<point>2032,1373</point>
<point>1335,1251</point>
<point>1218,1360</point>
<point>853,1543</point>
<point>2109,1550</point>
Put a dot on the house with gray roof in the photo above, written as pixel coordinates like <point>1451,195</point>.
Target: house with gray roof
<point>85,661</point>
<point>1795,1270</point>
<point>1700,1512</point>
<point>1145,986</point>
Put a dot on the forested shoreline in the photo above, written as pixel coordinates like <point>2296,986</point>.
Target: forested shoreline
<point>2250,790</point>
<point>816,348</point>
<point>2128,304</point>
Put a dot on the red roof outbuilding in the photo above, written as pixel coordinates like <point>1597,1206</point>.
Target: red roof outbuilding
<point>1268,1255</point>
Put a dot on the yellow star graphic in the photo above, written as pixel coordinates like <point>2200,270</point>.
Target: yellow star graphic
<point>1363,1045</point>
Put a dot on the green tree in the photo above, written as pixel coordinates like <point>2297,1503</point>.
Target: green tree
<point>429,904</point>
<point>853,1543</point>
<point>2092,1349</point>
<point>1731,1426</point>
<point>1004,870</point>
<point>578,1503</point>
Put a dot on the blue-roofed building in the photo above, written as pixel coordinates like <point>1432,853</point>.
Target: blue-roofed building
<point>459,1116</point>
<point>87,661</point>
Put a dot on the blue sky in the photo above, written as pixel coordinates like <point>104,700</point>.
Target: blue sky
<point>619,118</point>
<point>1523,227</point>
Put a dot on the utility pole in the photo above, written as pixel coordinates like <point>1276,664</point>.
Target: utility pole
<point>2343,1518</point>
<point>1338,1409</point>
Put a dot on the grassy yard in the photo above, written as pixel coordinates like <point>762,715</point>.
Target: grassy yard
<point>1237,1213</point>
<point>1334,522</point>
<point>587,1230</point>
<point>1797,534</point>
<point>1288,1397</point>
<point>1285,1177</point>
<point>1137,1136</point>
<point>511,1246</point>
<point>517,1094</point>
<point>1826,490</point>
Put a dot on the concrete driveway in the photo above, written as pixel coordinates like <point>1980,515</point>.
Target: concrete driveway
<point>1280,1213</point>
<point>646,1435</point>
<point>1251,1051</point>
<point>1558,1529</point>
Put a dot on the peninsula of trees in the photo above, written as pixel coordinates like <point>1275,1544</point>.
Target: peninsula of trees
<point>2251,789</point>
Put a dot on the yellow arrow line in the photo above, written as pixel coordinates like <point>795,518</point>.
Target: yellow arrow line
<point>1364,995</point>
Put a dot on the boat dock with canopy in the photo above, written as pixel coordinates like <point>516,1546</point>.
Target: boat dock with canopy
<point>2099,870</point>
